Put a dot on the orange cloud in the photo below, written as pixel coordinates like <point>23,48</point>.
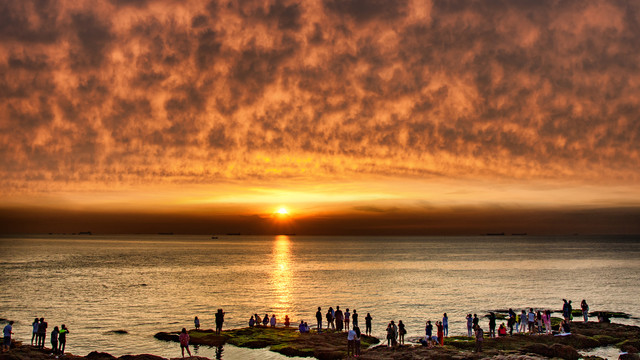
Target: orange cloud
<point>123,94</point>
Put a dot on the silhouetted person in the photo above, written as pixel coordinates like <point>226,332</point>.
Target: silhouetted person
<point>62,339</point>
<point>265,320</point>
<point>196,323</point>
<point>319,319</point>
<point>42,333</point>
<point>34,336</point>
<point>355,318</point>
<point>401,332</point>
<point>287,321</point>
<point>339,318</point>
<point>492,324</point>
<point>367,324</point>
<point>54,340</point>
<point>219,321</point>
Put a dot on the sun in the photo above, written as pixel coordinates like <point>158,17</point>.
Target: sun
<point>282,211</point>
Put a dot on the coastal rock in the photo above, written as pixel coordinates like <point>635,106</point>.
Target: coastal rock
<point>141,357</point>
<point>95,355</point>
<point>553,351</point>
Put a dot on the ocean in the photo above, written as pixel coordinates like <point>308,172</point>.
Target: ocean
<point>143,284</point>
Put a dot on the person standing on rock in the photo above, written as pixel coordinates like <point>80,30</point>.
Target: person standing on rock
<point>565,310</point>
<point>219,321</point>
<point>428,330</point>
<point>511,321</point>
<point>355,318</point>
<point>319,319</point>
<point>330,318</point>
<point>62,339</point>
<point>445,324</point>
<point>347,318</point>
<point>358,337</point>
<point>54,340</point>
<point>401,332</point>
<point>7,332</point>
<point>492,324</point>
<point>184,342</point>
<point>196,323</point>
<point>339,319</point>
<point>351,342</point>
<point>585,310</point>
<point>440,332</point>
<point>42,333</point>
<point>367,324</point>
<point>265,320</point>
<point>34,336</point>
<point>469,324</point>
<point>273,320</point>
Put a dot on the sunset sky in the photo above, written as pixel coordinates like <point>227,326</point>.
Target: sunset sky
<point>357,116</point>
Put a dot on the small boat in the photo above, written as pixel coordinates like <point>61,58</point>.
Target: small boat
<point>214,237</point>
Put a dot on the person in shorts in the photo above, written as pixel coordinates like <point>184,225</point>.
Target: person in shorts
<point>7,332</point>
<point>184,341</point>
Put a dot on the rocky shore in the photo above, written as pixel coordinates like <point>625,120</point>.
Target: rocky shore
<point>332,345</point>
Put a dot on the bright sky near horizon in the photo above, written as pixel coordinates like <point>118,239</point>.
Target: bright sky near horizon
<point>357,116</point>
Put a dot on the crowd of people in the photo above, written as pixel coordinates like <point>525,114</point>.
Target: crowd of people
<point>39,335</point>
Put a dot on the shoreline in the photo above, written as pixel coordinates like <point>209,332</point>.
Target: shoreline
<point>332,345</point>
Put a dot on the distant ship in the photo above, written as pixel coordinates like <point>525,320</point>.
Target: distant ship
<point>495,234</point>
<point>518,234</point>
<point>233,234</point>
<point>165,233</point>
<point>214,237</point>
<point>84,233</point>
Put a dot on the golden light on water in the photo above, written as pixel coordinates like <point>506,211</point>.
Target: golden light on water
<point>281,277</point>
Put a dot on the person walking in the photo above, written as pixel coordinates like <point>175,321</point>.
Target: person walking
<point>445,324</point>
<point>184,341</point>
<point>367,324</point>
<point>62,339</point>
<point>7,332</point>
<point>54,340</point>
<point>319,319</point>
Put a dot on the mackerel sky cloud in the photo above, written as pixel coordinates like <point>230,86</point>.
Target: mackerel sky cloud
<point>103,95</point>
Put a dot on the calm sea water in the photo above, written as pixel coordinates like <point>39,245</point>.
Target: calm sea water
<point>145,284</point>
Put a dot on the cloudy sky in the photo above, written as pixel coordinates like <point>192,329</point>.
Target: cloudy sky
<point>359,116</point>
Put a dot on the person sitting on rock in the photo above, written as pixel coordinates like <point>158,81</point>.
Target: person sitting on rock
<point>252,322</point>
<point>502,330</point>
<point>287,322</point>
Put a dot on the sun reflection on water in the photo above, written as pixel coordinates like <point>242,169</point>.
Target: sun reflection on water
<point>281,278</point>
